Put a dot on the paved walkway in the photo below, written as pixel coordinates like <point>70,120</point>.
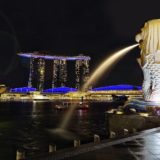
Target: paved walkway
<point>143,146</point>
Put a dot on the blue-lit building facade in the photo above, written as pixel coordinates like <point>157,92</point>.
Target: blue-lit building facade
<point>63,90</point>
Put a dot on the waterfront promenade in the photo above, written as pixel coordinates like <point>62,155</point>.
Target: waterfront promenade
<point>140,146</point>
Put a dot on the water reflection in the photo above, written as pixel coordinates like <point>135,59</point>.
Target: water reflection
<point>29,126</point>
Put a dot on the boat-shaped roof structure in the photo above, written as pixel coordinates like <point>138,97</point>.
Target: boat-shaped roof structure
<point>60,90</point>
<point>53,57</point>
<point>118,87</point>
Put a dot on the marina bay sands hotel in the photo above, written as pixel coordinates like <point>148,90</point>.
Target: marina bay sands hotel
<point>59,69</point>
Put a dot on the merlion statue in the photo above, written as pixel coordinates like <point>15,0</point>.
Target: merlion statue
<point>149,43</point>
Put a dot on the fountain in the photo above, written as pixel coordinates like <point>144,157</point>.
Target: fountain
<point>104,67</point>
<point>107,64</point>
<point>149,43</point>
<point>149,40</point>
<point>149,105</point>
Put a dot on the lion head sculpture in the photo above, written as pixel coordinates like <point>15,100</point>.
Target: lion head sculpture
<point>149,39</point>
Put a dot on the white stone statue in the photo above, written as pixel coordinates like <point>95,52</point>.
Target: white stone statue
<point>149,40</point>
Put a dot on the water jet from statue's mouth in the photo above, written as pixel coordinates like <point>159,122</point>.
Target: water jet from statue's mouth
<point>104,67</point>
<point>107,64</point>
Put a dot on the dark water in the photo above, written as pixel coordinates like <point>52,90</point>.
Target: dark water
<point>29,126</point>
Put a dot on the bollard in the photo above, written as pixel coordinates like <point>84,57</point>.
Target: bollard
<point>96,138</point>
<point>125,131</point>
<point>112,134</point>
<point>52,148</point>
<point>77,143</point>
<point>20,155</point>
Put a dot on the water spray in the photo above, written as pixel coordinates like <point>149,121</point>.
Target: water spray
<point>106,65</point>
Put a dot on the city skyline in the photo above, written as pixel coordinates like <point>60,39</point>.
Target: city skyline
<point>70,28</point>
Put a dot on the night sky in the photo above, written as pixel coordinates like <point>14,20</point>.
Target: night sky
<point>70,27</point>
